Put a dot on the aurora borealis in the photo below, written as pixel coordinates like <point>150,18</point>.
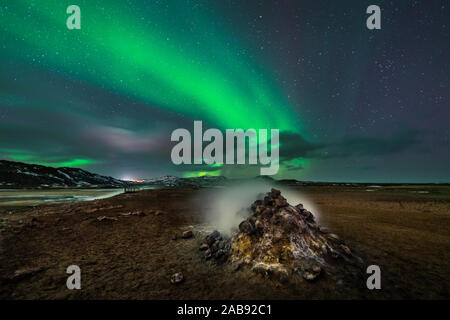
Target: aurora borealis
<point>351,104</point>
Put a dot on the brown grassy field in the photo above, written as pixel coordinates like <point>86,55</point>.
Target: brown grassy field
<point>402,229</point>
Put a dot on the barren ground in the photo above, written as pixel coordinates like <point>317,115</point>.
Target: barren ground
<point>402,229</point>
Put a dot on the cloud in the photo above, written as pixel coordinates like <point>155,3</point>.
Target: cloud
<point>371,146</point>
<point>293,167</point>
<point>123,140</point>
<point>295,146</point>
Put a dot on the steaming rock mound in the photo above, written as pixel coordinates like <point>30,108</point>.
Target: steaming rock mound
<point>283,241</point>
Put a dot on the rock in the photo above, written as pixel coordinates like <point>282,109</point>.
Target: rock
<point>212,237</point>
<point>333,253</point>
<point>312,273</point>
<point>259,210</point>
<point>275,192</point>
<point>218,253</point>
<point>346,250</point>
<point>302,226</point>
<point>308,215</point>
<point>274,271</point>
<point>333,236</point>
<point>236,266</point>
<point>210,240</point>
<point>266,213</point>
<point>215,246</point>
<point>268,201</point>
<point>25,272</point>
<point>291,210</point>
<point>260,268</point>
<point>312,225</point>
<point>276,219</point>
<point>187,234</point>
<point>259,226</point>
<point>158,212</point>
<point>134,213</point>
<point>289,223</point>
<point>208,254</point>
<point>255,205</point>
<point>324,230</point>
<point>246,227</point>
<point>105,218</point>
<point>281,202</point>
<point>204,247</point>
<point>177,278</point>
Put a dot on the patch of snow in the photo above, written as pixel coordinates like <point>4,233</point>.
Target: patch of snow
<point>30,173</point>
<point>65,175</point>
<point>52,176</point>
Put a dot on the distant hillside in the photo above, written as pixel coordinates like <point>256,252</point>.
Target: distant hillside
<point>171,181</point>
<point>212,181</point>
<point>22,175</point>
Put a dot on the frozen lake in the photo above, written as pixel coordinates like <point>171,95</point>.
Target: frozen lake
<point>23,197</point>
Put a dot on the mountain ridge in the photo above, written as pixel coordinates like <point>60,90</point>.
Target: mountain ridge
<point>23,175</point>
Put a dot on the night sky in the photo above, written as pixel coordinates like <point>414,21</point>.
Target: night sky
<point>351,104</point>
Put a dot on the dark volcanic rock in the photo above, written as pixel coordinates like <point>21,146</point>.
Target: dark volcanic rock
<point>213,237</point>
<point>208,254</point>
<point>187,234</point>
<point>216,247</point>
<point>246,226</point>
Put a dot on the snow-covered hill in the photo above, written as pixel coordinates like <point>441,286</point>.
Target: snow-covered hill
<point>22,175</point>
<point>172,181</point>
